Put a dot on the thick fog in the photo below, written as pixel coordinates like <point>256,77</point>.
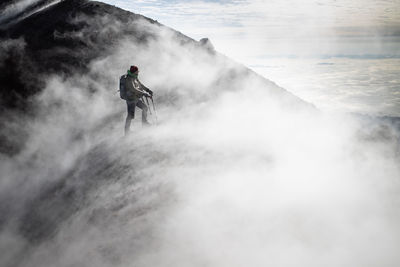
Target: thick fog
<point>235,173</point>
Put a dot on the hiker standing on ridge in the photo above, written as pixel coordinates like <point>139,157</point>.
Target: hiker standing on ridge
<point>132,90</point>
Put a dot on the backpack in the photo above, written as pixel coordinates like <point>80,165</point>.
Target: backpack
<point>122,88</point>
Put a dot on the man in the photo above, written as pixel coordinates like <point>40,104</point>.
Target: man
<point>135,91</point>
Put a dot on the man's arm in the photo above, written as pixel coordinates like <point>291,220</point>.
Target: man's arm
<point>145,88</point>
<point>135,88</point>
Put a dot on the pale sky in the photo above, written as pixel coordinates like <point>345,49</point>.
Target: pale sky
<point>242,29</point>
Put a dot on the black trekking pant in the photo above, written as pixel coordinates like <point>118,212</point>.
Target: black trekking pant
<point>131,105</point>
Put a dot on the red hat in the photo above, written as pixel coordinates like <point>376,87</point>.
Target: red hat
<point>133,69</point>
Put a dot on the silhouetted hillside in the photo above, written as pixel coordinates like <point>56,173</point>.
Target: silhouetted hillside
<point>13,11</point>
<point>48,42</point>
<point>64,38</point>
<point>59,40</point>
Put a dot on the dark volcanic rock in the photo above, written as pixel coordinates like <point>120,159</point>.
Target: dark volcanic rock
<point>62,38</point>
<point>207,44</point>
<point>13,11</point>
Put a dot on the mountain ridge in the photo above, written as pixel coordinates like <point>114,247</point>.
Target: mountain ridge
<point>50,50</point>
<point>65,39</point>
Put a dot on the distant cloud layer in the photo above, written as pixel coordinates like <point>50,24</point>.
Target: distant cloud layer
<point>256,32</point>
<point>363,85</point>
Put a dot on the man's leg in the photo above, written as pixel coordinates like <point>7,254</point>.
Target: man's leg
<point>130,116</point>
<point>127,124</point>
<point>144,108</point>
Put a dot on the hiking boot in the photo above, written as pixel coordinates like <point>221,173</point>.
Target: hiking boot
<point>146,124</point>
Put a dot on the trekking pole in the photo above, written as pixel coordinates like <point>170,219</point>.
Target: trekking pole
<point>148,104</point>
<point>154,108</point>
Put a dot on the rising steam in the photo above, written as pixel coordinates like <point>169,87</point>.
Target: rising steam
<point>238,172</point>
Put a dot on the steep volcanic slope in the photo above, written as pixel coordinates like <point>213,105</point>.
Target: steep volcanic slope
<point>55,41</point>
<point>238,172</point>
<point>60,39</point>
<point>65,38</point>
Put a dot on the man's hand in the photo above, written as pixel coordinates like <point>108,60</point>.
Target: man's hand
<point>150,92</point>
